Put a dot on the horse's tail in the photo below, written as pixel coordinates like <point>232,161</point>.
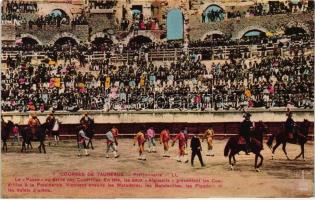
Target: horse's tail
<point>227,148</point>
<point>270,140</point>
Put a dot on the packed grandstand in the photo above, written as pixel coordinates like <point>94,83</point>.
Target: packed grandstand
<point>106,55</point>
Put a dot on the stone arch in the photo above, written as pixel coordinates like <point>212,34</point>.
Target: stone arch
<point>205,6</point>
<point>64,34</point>
<point>140,33</point>
<point>297,24</point>
<point>211,33</point>
<point>49,9</point>
<point>212,7</point>
<point>240,33</point>
<point>27,35</point>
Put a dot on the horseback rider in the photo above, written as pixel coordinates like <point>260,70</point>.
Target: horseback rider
<point>245,130</point>
<point>86,120</point>
<point>289,126</point>
<point>50,120</point>
<point>34,124</point>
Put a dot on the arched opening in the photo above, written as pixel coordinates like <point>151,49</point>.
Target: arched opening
<point>138,41</point>
<point>59,13</point>
<point>102,42</point>
<point>65,41</point>
<point>175,25</point>
<point>213,13</point>
<point>214,36</point>
<point>27,41</point>
<point>254,34</point>
<point>294,31</point>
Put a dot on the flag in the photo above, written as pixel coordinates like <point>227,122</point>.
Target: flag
<point>57,82</point>
<point>107,82</point>
<point>142,81</point>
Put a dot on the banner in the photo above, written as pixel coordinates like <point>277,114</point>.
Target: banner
<point>107,82</point>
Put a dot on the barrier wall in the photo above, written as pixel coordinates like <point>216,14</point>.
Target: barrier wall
<point>223,122</point>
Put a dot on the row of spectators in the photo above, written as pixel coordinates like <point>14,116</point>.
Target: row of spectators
<point>139,22</point>
<point>258,9</point>
<point>186,84</point>
<point>21,7</point>
<point>11,18</point>
<point>56,20</point>
<point>102,4</point>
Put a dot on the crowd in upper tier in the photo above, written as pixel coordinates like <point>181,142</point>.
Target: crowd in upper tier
<point>186,84</point>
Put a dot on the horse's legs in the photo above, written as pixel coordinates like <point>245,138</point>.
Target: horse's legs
<point>302,152</point>
<point>284,150</point>
<point>23,146</point>
<point>40,147</point>
<point>274,148</point>
<point>5,146</point>
<point>234,159</point>
<point>91,144</point>
<point>256,158</point>
<point>261,160</point>
<point>43,146</point>
<point>302,146</point>
<point>88,144</point>
<point>231,155</point>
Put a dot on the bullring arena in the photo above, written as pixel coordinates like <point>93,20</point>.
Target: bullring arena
<point>119,73</point>
<point>278,177</point>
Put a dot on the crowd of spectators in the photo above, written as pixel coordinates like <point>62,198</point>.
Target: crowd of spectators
<point>11,18</point>
<point>21,7</point>
<point>57,20</point>
<point>258,9</point>
<point>186,84</point>
<point>212,16</point>
<point>102,4</point>
<point>139,22</point>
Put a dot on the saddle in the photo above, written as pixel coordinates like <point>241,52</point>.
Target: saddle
<point>241,140</point>
<point>290,135</point>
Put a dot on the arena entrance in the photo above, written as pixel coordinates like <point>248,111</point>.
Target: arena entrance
<point>254,35</point>
<point>294,31</point>
<point>65,41</point>
<point>101,41</point>
<point>138,41</point>
<point>213,13</point>
<point>213,36</point>
<point>175,25</point>
<point>27,41</point>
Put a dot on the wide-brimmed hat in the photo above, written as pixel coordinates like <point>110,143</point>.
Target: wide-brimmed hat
<point>247,115</point>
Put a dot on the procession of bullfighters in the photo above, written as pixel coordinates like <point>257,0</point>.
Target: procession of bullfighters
<point>157,98</point>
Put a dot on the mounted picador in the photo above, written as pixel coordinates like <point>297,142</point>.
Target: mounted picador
<point>245,130</point>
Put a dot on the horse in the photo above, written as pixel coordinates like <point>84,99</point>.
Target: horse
<point>237,143</point>
<point>300,134</point>
<point>6,130</point>
<point>40,134</point>
<point>27,138</point>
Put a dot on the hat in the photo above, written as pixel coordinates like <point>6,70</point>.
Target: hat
<point>246,115</point>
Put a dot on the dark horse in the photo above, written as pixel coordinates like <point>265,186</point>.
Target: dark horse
<point>299,137</point>
<point>237,143</point>
<point>6,130</point>
<point>40,136</point>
